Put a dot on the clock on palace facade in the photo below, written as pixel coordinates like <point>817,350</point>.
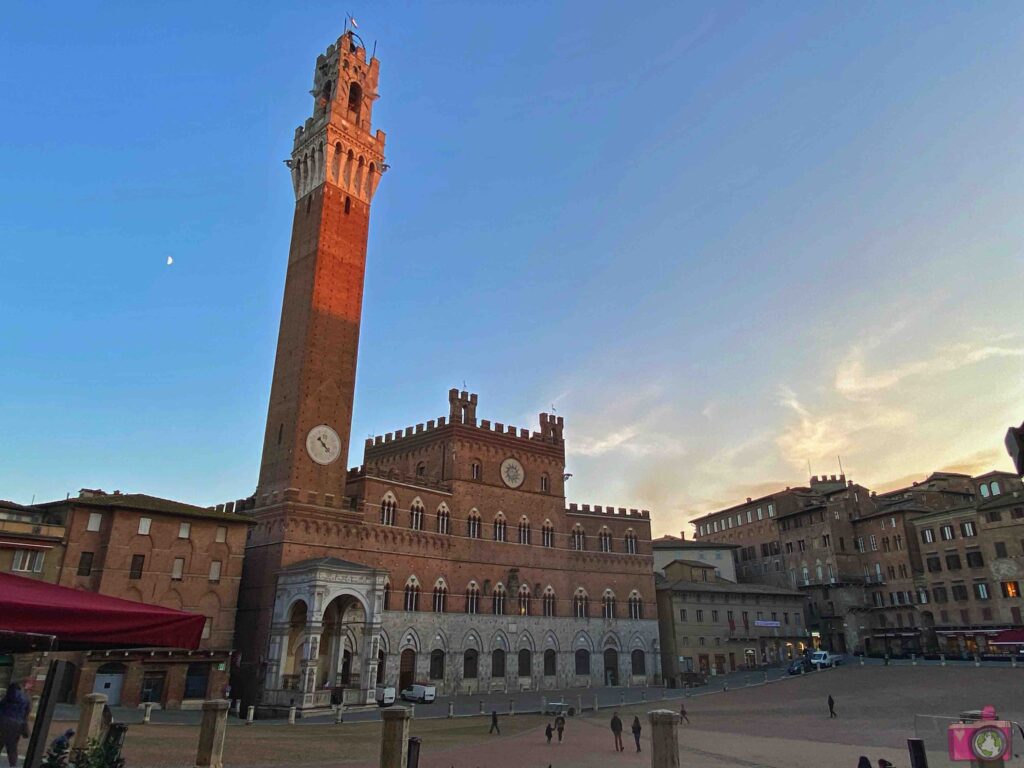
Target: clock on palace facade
<point>323,444</point>
<point>512,473</point>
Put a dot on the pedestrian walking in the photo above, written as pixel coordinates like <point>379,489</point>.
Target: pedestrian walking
<point>616,726</point>
<point>864,762</point>
<point>560,726</point>
<point>682,713</point>
<point>494,722</point>
<point>549,731</point>
<point>636,728</point>
<point>14,709</point>
<point>831,707</point>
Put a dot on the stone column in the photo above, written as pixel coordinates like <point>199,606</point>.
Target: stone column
<point>664,738</point>
<point>250,714</point>
<point>368,677</point>
<point>211,734</point>
<point>275,652</point>
<point>394,738</point>
<point>147,712</point>
<point>90,720</point>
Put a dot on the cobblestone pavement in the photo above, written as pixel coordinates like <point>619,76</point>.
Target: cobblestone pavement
<point>781,724</point>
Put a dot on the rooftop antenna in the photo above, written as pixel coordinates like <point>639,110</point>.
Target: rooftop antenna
<point>809,475</point>
<point>464,384</point>
<point>553,408</point>
<point>841,465</point>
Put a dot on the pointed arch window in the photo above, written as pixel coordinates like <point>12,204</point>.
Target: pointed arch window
<point>387,510</point>
<point>548,600</point>
<point>412,594</point>
<point>636,606</point>
<point>472,598</point>
<point>473,525</point>
<point>387,595</point>
<point>500,528</point>
<point>524,600</point>
<point>578,539</point>
<point>416,516</point>
<point>524,530</point>
<point>545,483</point>
<point>630,540</point>
<point>604,540</point>
<point>440,596</point>
<point>608,605</point>
<point>580,608</point>
<point>444,520</point>
<point>547,534</point>
<point>498,601</point>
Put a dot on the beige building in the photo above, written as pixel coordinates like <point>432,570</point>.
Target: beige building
<point>712,626</point>
<point>721,556</point>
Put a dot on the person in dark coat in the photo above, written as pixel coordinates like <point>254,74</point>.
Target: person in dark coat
<point>494,722</point>
<point>682,713</point>
<point>560,726</point>
<point>831,707</point>
<point>549,731</point>
<point>616,726</point>
<point>14,709</point>
<point>636,728</point>
<point>864,762</point>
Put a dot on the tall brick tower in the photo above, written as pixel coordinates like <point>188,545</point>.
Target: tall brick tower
<point>336,164</point>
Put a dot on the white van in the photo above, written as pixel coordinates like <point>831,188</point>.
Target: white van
<point>424,694</point>
<point>821,659</point>
<point>385,695</point>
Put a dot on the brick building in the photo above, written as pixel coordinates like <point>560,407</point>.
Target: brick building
<point>160,552</point>
<point>711,625</point>
<point>873,564</point>
<point>969,588</point>
<point>450,554</point>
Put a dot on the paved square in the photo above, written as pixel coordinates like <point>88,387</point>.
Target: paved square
<point>783,724</point>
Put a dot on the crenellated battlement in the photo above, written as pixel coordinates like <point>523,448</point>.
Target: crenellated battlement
<point>462,411</point>
<point>235,507</point>
<point>597,509</point>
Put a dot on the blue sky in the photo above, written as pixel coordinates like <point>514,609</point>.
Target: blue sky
<point>724,240</point>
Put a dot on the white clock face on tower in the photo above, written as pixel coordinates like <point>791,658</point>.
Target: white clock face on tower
<point>323,444</point>
<point>512,473</point>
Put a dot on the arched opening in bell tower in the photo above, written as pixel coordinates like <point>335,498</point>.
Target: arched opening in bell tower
<point>355,100</point>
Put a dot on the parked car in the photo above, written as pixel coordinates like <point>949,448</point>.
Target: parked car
<point>385,695</point>
<point>420,692</point>
<point>822,659</point>
<point>798,666</point>
<point>556,708</point>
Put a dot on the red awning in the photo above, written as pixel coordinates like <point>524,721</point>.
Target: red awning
<point>1008,637</point>
<point>84,620</point>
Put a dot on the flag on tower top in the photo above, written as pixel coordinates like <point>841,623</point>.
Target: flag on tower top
<point>352,21</point>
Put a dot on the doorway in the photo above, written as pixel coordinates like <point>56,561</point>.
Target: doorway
<point>611,666</point>
<point>110,681</point>
<point>407,669</point>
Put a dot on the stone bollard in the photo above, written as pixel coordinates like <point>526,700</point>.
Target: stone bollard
<point>147,712</point>
<point>214,726</point>
<point>451,709</point>
<point>543,704</point>
<point>481,708</point>
<point>412,709</point>
<point>90,720</point>
<point>595,702</point>
<point>942,659</point>
<point>291,716</point>
<point>913,659</point>
<point>339,713</point>
<point>394,737</point>
<point>977,660</point>
<point>579,703</point>
<point>862,661</point>
<point>250,714</point>
<point>511,706</point>
<point>664,738</point>
<point>622,699</point>
<point>1013,661</point>
<point>643,695</point>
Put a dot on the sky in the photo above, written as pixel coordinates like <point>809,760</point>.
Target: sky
<point>729,242</point>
